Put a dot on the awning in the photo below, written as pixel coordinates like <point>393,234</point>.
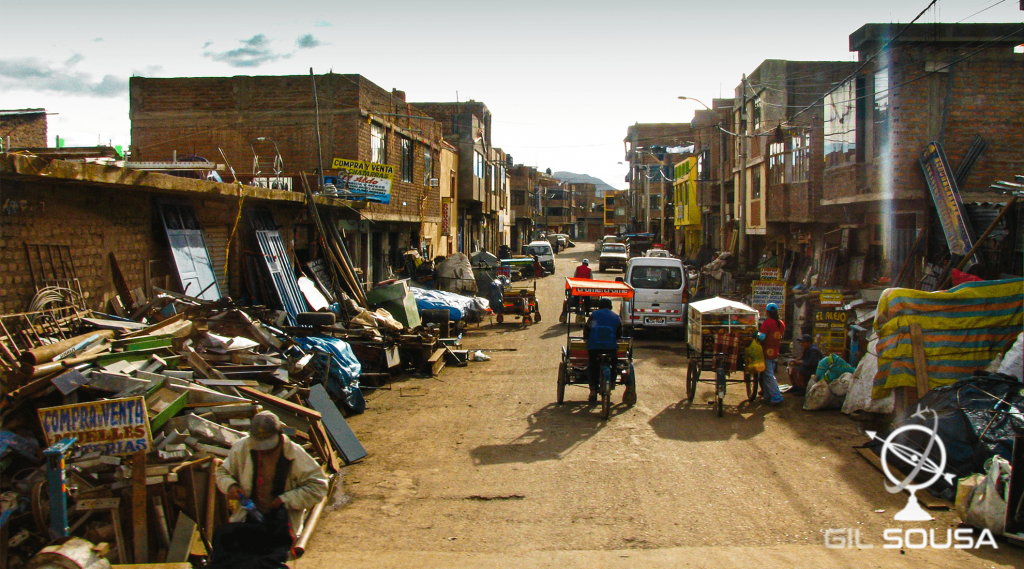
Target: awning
<point>719,305</point>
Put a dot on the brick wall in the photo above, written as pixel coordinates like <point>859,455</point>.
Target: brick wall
<point>23,131</point>
<point>206,115</point>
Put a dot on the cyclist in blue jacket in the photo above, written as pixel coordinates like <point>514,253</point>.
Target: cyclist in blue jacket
<point>602,333</point>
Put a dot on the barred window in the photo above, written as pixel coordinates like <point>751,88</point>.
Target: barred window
<point>378,144</point>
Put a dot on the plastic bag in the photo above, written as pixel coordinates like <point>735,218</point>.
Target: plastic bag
<point>988,502</point>
<point>479,356</point>
<point>754,358</point>
<point>1013,361</point>
<point>820,397</point>
<point>831,367</point>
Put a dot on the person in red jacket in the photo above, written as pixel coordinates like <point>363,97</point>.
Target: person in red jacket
<point>582,272</point>
<point>773,327</point>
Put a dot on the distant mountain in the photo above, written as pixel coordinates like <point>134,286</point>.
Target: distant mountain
<point>584,179</point>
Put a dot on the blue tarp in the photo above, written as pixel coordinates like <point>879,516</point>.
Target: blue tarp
<point>456,304</point>
<point>343,379</point>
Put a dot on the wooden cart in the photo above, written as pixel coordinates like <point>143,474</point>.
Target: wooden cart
<point>708,320</point>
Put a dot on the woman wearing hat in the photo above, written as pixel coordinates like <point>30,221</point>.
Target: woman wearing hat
<point>773,327</point>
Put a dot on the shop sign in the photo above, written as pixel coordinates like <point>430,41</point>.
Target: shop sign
<point>362,180</point>
<point>766,292</point>
<point>946,196</point>
<point>831,297</point>
<point>771,274</point>
<point>110,427</point>
<point>830,329</point>
<point>446,216</point>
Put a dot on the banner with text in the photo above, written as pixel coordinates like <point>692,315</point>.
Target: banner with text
<point>767,292</point>
<point>952,215</point>
<point>363,180</point>
<point>110,427</point>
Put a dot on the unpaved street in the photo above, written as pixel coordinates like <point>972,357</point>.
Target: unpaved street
<point>480,468</point>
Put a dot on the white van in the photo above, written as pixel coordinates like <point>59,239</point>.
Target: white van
<point>660,294</point>
<point>544,253</point>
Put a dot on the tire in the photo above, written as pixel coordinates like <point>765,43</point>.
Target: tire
<point>750,380</point>
<point>537,315</point>
<point>500,318</point>
<point>562,379</point>
<point>719,405</point>
<point>606,394</point>
<point>692,375</point>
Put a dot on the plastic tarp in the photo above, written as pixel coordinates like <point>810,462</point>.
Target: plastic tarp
<point>964,329</point>
<point>343,378</point>
<point>458,306</point>
<point>978,418</point>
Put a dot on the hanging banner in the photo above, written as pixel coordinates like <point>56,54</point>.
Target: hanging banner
<point>446,216</point>
<point>946,196</point>
<point>110,427</point>
<point>767,292</point>
<point>362,180</point>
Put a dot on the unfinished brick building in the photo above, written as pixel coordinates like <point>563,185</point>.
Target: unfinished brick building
<point>253,120</point>
<point>22,128</point>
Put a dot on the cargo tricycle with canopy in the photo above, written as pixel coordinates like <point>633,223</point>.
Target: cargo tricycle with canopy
<point>717,332</point>
<point>576,358</point>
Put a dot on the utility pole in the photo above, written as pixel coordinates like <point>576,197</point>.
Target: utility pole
<point>742,190</point>
<point>647,200</point>
<point>721,186</point>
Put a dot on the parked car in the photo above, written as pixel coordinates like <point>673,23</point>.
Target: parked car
<point>660,294</point>
<point>613,256</point>
<point>607,239</point>
<point>658,253</point>
<point>545,254</point>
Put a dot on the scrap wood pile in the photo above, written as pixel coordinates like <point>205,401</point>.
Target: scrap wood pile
<point>152,410</point>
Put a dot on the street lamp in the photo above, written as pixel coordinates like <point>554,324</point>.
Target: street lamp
<point>685,98</point>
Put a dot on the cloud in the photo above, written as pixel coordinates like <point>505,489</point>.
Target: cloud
<point>254,52</point>
<point>322,24</point>
<point>308,42</point>
<point>36,75</point>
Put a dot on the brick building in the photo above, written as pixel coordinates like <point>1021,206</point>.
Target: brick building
<point>270,124</point>
<point>714,173</point>
<point>483,213</point>
<point>539,203</point>
<point>98,213</point>
<point>22,128</point>
<point>783,163</point>
<point>957,84</point>
<point>652,151</point>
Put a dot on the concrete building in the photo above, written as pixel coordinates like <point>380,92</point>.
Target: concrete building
<point>266,128</point>
<point>961,85</point>
<point>652,151</point>
<point>483,216</point>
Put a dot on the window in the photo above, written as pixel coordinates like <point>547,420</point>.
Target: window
<point>659,277</point>
<point>704,165</point>
<point>492,171</point>
<point>881,111</point>
<point>800,167</point>
<point>478,165</point>
<point>428,165</point>
<point>776,163</point>
<point>841,125</point>
<point>378,144</point>
<point>755,183</point>
<point>755,115</point>
<point>407,160</point>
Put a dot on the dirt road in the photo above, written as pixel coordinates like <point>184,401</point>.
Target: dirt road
<point>480,468</point>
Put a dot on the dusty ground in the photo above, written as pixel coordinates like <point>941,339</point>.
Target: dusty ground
<point>480,468</point>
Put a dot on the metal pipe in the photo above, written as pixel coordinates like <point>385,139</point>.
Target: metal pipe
<point>314,516</point>
<point>48,352</point>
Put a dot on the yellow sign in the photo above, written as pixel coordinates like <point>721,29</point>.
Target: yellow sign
<point>110,427</point>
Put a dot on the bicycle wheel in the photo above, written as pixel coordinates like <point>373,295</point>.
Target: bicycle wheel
<point>606,392</point>
<point>562,379</point>
<point>692,375</point>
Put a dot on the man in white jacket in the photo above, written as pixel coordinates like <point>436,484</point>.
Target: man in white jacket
<point>281,480</point>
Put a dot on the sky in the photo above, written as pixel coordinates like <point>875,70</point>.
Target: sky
<point>563,79</point>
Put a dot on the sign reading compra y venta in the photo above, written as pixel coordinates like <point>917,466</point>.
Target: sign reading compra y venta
<point>363,180</point>
<point>111,427</point>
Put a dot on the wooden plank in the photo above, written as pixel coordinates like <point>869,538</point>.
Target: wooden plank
<point>929,501</point>
<point>140,535</point>
<point>338,431</point>
<point>163,323</point>
<point>228,382</point>
<point>282,403</point>
<point>323,445</point>
<point>436,361</point>
<point>199,365</point>
<point>181,540</point>
<point>920,361</point>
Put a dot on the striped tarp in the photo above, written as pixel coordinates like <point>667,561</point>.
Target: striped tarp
<point>964,328</point>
